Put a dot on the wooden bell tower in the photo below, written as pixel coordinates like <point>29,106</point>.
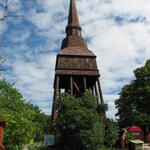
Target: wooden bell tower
<point>76,68</point>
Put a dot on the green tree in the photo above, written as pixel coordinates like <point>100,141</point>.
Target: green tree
<point>24,121</point>
<point>111,132</point>
<point>78,123</point>
<point>133,104</point>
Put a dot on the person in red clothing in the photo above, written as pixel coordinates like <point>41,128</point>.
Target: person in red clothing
<point>123,139</point>
<point>148,138</point>
<point>2,125</point>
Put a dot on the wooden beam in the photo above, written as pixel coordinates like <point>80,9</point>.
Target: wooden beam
<point>53,107</point>
<point>57,87</point>
<point>100,92</point>
<point>96,91</point>
<point>55,97</point>
<point>101,97</point>
<point>76,87</point>
<point>71,86</point>
<point>85,83</point>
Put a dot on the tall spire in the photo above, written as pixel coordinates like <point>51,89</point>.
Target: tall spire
<point>73,15</point>
<point>73,27</point>
<point>73,30</point>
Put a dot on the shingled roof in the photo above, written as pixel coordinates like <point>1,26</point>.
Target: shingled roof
<point>74,44</point>
<point>76,51</point>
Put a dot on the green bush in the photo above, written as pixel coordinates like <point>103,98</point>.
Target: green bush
<point>129,137</point>
<point>79,124</point>
<point>111,132</point>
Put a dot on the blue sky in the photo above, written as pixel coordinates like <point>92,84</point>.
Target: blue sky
<point>117,31</point>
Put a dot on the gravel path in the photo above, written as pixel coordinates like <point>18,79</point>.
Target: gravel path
<point>26,147</point>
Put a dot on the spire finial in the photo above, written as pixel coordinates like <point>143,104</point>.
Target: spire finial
<point>73,15</point>
<point>73,27</point>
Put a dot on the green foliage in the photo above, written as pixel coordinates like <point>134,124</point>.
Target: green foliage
<point>129,137</point>
<point>133,104</point>
<point>102,108</point>
<point>108,148</point>
<point>111,132</point>
<point>24,121</point>
<point>78,123</point>
<point>93,138</point>
<point>36,147</point>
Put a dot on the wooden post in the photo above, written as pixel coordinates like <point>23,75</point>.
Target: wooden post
<point>53,117</point>
<point>55,97</point>
<point>92,90</point>
<point>96,92</point>
<point>85,83</point>
<point>57,87</point>
<point>71,86</point>
<point>100,92</point>
<point>101,98</point>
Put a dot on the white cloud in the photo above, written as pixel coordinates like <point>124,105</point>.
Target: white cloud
<point>47,110</point>
<point>3,27</point>
<point>41,20</point>
<point>44,104</point>
<point>19,36</point>
<point>14,5</point>
<point>111,111</point>
<point>35,79</point>
<point>109,99</point>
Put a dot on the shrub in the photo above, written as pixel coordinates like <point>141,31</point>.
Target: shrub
<point>78,123</point>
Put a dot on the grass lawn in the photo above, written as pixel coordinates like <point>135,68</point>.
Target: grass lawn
<point>40,146</point>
